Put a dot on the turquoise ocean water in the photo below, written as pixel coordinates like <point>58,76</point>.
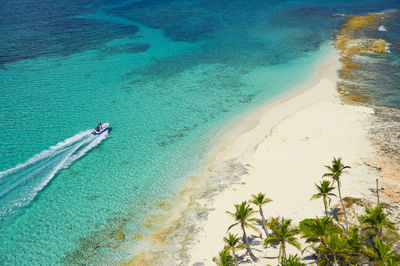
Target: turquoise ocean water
<point>166,75</point>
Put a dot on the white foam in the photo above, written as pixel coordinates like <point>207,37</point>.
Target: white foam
<point>382,28</point>
<point>387,46</point>
<point>57,157</point>
<point>46,153</point>
<point>95,140</point>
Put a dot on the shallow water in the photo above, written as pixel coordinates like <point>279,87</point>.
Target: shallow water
<point>378,76</point>
<point>164,74</point>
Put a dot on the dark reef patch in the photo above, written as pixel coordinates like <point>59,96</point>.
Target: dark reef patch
<point>91,248</point>
<point>132,48</point>
<point>51,29</point>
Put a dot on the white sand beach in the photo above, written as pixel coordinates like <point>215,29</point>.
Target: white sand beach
<point>283,147</point>
<point>279,150</point>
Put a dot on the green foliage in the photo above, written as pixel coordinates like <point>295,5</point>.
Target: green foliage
<point>337,249</point>
<point>282,233</point>
<point>316,232</point>
<point>336,169</point>
<point>376,219</point>
<point>242,215</point>
<point>318,229</point>
<point>324,191</point>
<point>305,224</point>
<point>291,261</point>
<point>232,241</point>
<point>334,245</point>
<point>383,253</point>
<point>356,242</point>
<point>224,258</point>
<point>272,223</point>
<point>259,199</point>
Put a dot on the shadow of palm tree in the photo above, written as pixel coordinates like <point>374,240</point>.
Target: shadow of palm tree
<point>253,240</point>
<point>334,213</point>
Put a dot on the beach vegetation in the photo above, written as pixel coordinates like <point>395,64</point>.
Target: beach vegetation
<point>282,233</point>
<point>259,200</point>
<point>331,244</point>
<point>335,250</point>
<point>233,243</point>
<point>316,232</point>
<point>335,172</point>
<point>224,259</point>
<point>356,241</point>
<point>376,220</point>
<point>328,242</point>
<point>382,253</point>
<point>324,192</point>
<point>242,216</point>
<point>291,260</point>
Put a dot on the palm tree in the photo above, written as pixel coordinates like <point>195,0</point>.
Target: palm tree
<point>383,254</point>
<point>282,233</point>
<point>316,231</point>
<point>335,171</point>
<point>291,261</point>
<point>324,191</point>
<point>356,242</point>
<point>242,217</point>
<point>232,242</point>
<point>224,258</point>
<point>376,219</point>
<point>260,200</point>
<point>335,248</point>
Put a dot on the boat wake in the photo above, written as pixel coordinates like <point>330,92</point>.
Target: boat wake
<point>20,185</point>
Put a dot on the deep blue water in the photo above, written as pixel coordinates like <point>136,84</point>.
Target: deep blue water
<point>166,75</point>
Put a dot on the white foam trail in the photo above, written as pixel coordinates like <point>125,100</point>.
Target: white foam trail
<point>97,140</point>
<point>51,151</point>
<point>62,164</point>
<point>42,168</point>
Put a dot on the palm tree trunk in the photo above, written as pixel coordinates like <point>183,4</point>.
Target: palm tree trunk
<point>262,222</point>
<point>326,209</point>
<point>283,250</point>
<point>246,242</point>
<point>319,256</point>
<point>322,254</point>
<point>344,210</point>
<point>319,251</point>
<point>234,256</point>
<point>280,252</point>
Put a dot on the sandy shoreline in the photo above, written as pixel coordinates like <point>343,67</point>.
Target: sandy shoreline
<point>279,150</point>
<point>284,151</point>
<point>282,148</point>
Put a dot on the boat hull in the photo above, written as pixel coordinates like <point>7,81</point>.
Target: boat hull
<point>103,129</point>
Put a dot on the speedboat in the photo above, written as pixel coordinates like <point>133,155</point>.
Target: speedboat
<point>100,129</point>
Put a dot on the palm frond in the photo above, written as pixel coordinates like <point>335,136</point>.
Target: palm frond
<point>228,212</point>
<point>260,199</point>
<point>293,241</point>
<point>316,196</point>
<point>271,239</point>
<point>252,227</point>
<point>229,228</point>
